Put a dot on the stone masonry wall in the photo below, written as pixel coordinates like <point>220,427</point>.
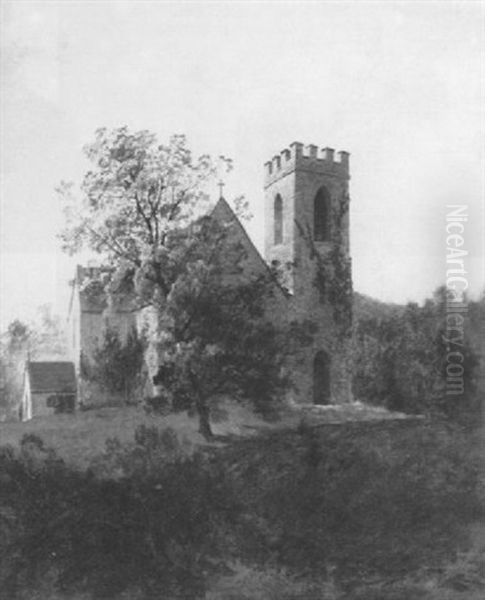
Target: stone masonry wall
<point>297,175</point>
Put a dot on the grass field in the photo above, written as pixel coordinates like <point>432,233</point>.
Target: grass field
<point>78,438</point>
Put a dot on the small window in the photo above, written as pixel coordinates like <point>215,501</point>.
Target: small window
<point>321,216</point>
<point>278,220</point>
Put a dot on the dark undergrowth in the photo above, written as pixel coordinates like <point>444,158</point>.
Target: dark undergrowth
<point>361,512</point>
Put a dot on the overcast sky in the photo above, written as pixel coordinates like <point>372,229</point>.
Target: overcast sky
<point>398,85</point>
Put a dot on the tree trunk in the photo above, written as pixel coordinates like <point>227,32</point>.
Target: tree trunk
<point>204,419</point>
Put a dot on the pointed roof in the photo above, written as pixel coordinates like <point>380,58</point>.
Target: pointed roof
<point>51,377</point>
<point>223,210</point>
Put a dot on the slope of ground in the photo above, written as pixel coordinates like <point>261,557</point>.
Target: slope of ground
<point>80,437</point>
<point>298,509</point>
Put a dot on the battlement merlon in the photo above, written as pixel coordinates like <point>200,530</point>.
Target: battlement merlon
<point>299,156</point>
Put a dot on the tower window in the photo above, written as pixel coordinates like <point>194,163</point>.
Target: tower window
<point>321,378</point>
<point>278,220</point>
<point>321,216</point>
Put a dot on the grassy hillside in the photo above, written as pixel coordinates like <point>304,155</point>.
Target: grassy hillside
<point>362,511</point>
<point>389,488</point>
<point>80,437</point>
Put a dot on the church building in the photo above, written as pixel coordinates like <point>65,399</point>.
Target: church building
<point>307,244</point>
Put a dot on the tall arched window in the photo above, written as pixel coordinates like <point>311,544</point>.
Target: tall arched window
<point>321,378</point>
<point>321,216</point>
<point>278,220</point>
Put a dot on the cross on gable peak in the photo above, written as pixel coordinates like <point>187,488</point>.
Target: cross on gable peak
<point>221,185</point>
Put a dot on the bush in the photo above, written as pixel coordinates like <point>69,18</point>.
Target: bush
<point>400,358</point>
<point>158,405</point>
<point>362,500</point>
<point>117,366</point>
<point>249,583</point>
<point>151,452</point>
<point>467,573</point>
<point>354,504</point>
<point>461,579</point>
<point>158,528</point>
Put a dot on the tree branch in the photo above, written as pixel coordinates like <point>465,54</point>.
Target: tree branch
<point>142,214</point>
<point>117,249</point>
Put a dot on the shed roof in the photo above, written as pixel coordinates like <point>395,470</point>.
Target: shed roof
<point>52,377</point>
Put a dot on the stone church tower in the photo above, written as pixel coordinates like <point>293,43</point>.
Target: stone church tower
<point>307,240</point>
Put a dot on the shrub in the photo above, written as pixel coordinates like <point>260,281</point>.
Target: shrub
<point>461,579</point>
<point>151,451</point>
<point>364,500</point>
<point>356,503</point>
<point>249,583</point>
<point>157,528</point>
<point>467,573</point>
<point>400,358</point>
<point>116,365</point>
<point>158,405</point>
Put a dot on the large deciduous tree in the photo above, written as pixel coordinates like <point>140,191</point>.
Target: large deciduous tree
<point>144,208</point>
<point>136,199</point>
<point>218,341</point>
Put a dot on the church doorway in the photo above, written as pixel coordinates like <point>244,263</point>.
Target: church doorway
<point>321,378</point>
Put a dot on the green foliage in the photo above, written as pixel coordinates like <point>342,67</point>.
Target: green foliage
<point>139,195</point>
<point>363,501</point>
<point>42,339</point>
<point>467,573</point>
<point>19,335</point>
<point>353,513</point>
<point>217,338</point>
<point>219,342</point>
<point>151,451</point>
<point>15,346</point>
<point>116,366</point>
<point>337,271</point>
<point>49,336</point>
<point>155,530</point>
<point>463,578</point>
<point>400,360</point>
<point>10,383</point>
<point>251,583</point>
<point>333,273</point>
<point>143,208</point>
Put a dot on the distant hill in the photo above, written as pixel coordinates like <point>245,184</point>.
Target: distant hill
<point>365,307</point>
<point>368,307</point>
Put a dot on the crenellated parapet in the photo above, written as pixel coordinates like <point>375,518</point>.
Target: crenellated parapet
<point>311,158</point>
